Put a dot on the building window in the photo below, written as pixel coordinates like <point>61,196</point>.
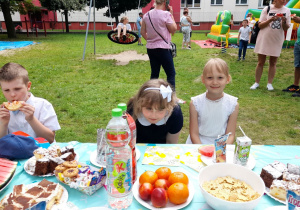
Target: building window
<point>196,24</point>
<point>81,24</point>
<point>241,2</point>
<point>216,2</point>
<point>110,24</point>
<point>69,24</point>
<point>263,3</point>
<point>190,3</point>
<point>236,23</point>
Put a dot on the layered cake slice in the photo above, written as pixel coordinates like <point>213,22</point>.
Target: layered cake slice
<point>268,174</point>
<point>41,166</point>
<point>279,166</point>
<point>278,189</point>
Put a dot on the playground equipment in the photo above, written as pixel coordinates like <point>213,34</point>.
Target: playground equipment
<point>220,31</point>
<point>294,6</point>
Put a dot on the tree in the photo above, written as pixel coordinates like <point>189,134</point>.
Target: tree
<point>118,7</point>
<point>11,6</point>
<point>65,5</point>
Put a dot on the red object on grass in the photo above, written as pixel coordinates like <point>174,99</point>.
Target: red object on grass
<point>207,150</point>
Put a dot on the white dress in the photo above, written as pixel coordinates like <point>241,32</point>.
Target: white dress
<point>212,116</point>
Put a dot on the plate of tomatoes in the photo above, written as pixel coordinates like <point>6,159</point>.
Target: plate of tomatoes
<point>163,189</point>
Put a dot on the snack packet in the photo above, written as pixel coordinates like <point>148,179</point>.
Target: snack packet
<point>220,148</point>
<point>293,200</point>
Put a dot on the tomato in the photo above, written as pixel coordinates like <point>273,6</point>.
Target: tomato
<point>117,136</point>
<point>207,150</point>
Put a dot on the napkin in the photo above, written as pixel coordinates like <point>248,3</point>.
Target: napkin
<point>160,155</point>
<point>192,158</point>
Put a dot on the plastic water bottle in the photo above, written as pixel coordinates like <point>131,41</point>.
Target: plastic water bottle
<point>118,162</point>
<point>132,127</point>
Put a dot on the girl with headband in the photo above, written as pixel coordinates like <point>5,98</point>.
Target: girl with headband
<point>157,115</point>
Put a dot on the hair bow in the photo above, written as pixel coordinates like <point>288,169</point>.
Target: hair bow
<point>166,92</point>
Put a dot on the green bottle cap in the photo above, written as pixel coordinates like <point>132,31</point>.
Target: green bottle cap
<point>122,106</point>
<point>116,112</point>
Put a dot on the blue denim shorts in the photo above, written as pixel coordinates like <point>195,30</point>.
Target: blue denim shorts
<point>297,55</point>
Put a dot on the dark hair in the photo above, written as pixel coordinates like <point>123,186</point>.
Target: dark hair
<point>185,12</point>
<point>140,13</point>
<point>11,71</point>
<point>245,20</point>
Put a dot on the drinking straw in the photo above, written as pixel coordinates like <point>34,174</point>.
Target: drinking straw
<point>242,131</point>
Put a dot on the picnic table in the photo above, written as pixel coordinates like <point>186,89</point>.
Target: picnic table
<point>263,154</point>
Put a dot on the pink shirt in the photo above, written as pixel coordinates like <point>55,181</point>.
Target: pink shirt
<point>160,19</point>
<point>270,39</point>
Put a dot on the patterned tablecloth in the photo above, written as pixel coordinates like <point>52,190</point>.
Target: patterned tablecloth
<point>263,155</point>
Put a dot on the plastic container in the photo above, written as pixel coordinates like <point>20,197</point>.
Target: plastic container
<point>118,162</point>
<point>132,127</point>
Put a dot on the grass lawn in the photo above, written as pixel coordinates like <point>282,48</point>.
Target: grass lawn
<point>84,92</point>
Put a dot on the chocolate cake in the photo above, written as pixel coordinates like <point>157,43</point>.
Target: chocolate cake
<point>67,156</point>
<point>54,162</point>
<point>41,166</point>
<point>67,149</point>
<point>268,174</point>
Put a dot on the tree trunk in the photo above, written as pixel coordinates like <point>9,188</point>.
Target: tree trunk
<point>117,20</point>
<point>66,21</point>
<point>11,32</point>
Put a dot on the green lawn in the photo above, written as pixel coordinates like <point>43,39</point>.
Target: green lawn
<point>84,92</point>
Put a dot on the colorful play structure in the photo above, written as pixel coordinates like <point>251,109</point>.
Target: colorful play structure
<point>220,31</point>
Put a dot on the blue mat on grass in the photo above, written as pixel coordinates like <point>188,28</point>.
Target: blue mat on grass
<point>5,45</point>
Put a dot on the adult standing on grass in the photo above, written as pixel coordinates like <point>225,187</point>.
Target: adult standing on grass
<point>269,42</point>
<point>185,23</point>
<point>158,42</point>
<point>295,87</point>
<point>139,25</point>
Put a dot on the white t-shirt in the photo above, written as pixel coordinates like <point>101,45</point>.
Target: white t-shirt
<point>212,116</point>
<point>44,112</point>
<point>244,33</point>
<point>128,26</point>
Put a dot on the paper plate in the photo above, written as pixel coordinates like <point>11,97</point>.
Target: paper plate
<point>98,208</point>
<point>267,191</point>
<point>229,158</point>
<point>93,158</point>
<point>276,208</point>
<point>169,206</point>
<point>32,159</point>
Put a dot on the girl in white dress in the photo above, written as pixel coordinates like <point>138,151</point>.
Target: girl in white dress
<point>214,112</point>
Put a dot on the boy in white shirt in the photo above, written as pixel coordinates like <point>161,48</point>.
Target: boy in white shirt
<point>35,117</point>
<point>244,38</point>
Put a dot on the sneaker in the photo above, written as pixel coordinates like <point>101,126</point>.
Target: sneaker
<point>141,44</point>
<point>188,48</point>
<point>291,88</point>
<point>124,38</point>
<point>270,86</point>
<point>254,86</point>
<point>243,59</point>
<point>296,94</point>
<point>238,59</point>
<point>117,38</point>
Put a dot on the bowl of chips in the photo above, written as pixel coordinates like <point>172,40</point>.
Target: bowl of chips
<point>230,186</point>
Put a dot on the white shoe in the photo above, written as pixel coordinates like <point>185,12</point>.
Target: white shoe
<point>254,86</point>
<point>188,48</point>
<point>270,86</point>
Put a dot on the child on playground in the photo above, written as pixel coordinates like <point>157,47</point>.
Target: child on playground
<point>214,112</point>
<point>243,39</point>
<point>157,115</point>
<point>36,116</point>
<point>123,26</point>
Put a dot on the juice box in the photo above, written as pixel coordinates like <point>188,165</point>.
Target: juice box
<point>242,150</point>
<point>220,148</point>
<point>293,200</point>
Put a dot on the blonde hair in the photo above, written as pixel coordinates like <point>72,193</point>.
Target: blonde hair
<point>12,71</point>
<point>159,2</point>
<point>216,63</point>
<point>123,18</point>
<point>151,98</point>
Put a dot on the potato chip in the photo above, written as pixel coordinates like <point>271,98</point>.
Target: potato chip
<point>230,189</point>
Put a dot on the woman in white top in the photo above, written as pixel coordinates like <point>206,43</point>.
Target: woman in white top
<point>185,22</point>
<point>214,112</point>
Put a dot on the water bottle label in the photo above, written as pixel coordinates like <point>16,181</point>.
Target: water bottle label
<point>122,171</point>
